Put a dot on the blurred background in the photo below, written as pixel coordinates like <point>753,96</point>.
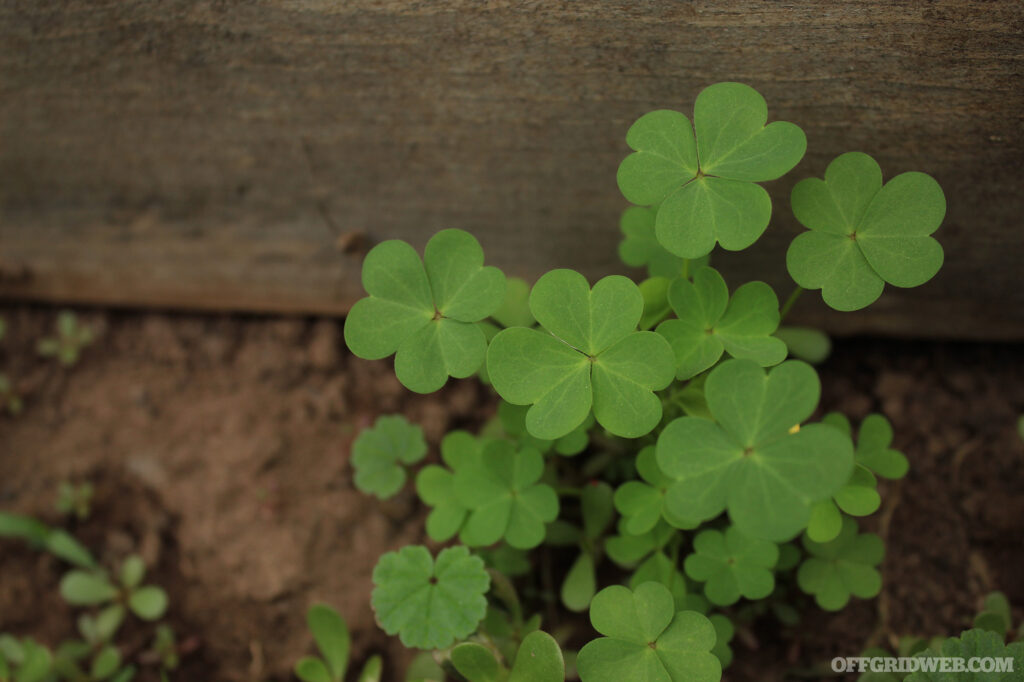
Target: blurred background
<point>199,181</point>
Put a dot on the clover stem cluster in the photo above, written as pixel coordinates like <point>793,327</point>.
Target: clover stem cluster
<point>663,429</point>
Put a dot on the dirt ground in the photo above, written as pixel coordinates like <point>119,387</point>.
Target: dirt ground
<point>219,450</point>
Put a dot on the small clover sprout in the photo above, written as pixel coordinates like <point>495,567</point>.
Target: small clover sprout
<point>379,453</point>
<point>501,490</point>
<point>424,311</point>
<point>710,323</point>
<point>874,439</point>
<point>332,640</point>
<point>639,246</point>
<point>429,604</point>
<point>646,640</point>
<point>642,503</point>
<point>750,462</point>
<point>94,588</point>
<point>588,356</point>
<point>842,567</point>
<point>703,175</point>
<point>71,338</point>
<point>976,643</point>
<point>732,565</point>
<point>75,500</point>
<point>862,234</point>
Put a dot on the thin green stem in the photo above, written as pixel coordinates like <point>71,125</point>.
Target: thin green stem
<point>686,268</point>
<point>789,302</point>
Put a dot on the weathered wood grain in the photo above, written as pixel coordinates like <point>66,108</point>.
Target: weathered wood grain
<point>209,154</point>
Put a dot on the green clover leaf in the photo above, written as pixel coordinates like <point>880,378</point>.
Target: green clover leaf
<point>646,640</point>
<point>642,504</point>
<point>501,490</point>
<point>806,343</point>
<point>710,323</point>
<point>749,462</point>
<point>423,311</point>
<point>732,565</point>
<point>842,567</point>
<point>703,176</point>
<point>589,355</point>
<point>639,247</point>
<point>435,485</point>
<point>539,659</point>
<point>429,604</point>
<point>862,234</point>
<point>379,453</point>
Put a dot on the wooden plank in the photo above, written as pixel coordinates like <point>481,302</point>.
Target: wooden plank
<point>209,155</point>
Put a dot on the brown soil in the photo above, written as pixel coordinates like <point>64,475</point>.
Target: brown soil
<point>218,447</point>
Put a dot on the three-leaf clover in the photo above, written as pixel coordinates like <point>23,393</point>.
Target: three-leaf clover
<point>750,462</point>
<point>732,565</point>
<point>424,311</point>
<point>429,603</point>
<point>92,588</point>
<point>862,234</point>
<point>588,356</point>
<point>710,323</point>
<point>703,175</point>
<point>842,567</point>
<point>642,503</point>
<point>378,454</point>
<point>646,640</point>
<point>501,490</point>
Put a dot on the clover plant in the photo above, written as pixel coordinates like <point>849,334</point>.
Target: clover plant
<point>95,655</point>
<point>69,341</point>
<point>658,447</point>
<point>75,500</point>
